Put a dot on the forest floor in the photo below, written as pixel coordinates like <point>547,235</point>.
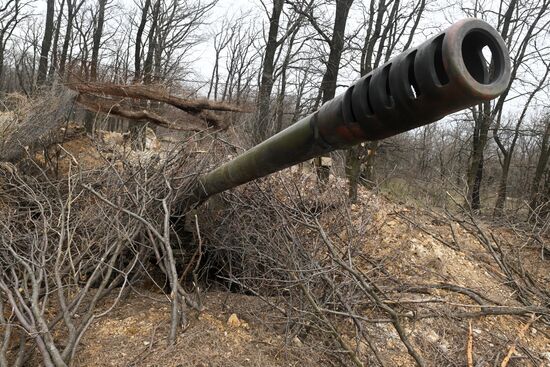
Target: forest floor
<point>415,247</point>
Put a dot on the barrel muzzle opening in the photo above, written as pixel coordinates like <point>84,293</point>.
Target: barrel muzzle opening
<point>483,64</point>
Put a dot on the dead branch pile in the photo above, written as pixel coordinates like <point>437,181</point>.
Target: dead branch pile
<point>276,248</point>
<point>312,268</point>
<point>67,243</point>
<point>128,101</point>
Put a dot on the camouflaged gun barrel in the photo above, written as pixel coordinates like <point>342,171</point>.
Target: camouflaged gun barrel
<point>443,75</point>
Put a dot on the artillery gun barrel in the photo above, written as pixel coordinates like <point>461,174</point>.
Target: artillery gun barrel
<point>445,74</point>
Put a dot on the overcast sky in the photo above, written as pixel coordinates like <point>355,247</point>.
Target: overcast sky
<point>224,9</point>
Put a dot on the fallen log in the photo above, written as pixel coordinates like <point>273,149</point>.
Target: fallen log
<point>199,108</point>
<point>154,94</point>
<point>114,107</point>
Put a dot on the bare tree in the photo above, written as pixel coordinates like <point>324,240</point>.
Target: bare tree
<point>98,32</point>
<point>539,187</point>
<point>152,43</point>
<point>221,41</point>
<point>282,74</point>
<point>519,24</point>
<point>268,67</point>
<point>55,51</point>
<point>335,42</point>
<point>139,41</point>
<point>241,55</point>
<point>84,26</point>
<point>508,152</point>
<point>46,42</point>
<point>11,15</point>
<point>27,56</point>
<point>176,34</point>
<point>73,7</point>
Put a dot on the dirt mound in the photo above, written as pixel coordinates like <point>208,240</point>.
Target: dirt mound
<point>435,270</point>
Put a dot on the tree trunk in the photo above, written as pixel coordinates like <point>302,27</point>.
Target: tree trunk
<point>369,172</point>
<point>280,104</point>
<point>261,131</point>
<point>71,12</point>
<point>138,130</point>
<point>2,51</point>
<point>475,177</point>
<point>46,43</point>
<point>328,85</point>
<point>538,186</point>
<point>545,198</point>
<point>139,35</point>
<point>152,40</point>
<point>89,119</point>
<point>503,186</point>
<point>56,40</point>
<point>283,77</point>
<point>98,32</point>
<point>214,80</point>
<point>353,170</point>
<point>479,142</point>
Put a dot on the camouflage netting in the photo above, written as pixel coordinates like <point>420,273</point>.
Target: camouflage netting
<point>37,123</point>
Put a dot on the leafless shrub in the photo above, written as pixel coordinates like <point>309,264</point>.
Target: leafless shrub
<point>303,253</point>
<point>275,246</point>
<point>529,290</point>
<point>66,243</point>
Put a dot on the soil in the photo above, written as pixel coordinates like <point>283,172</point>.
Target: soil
<point>135,335</point>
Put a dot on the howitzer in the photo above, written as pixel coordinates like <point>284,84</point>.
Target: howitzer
<point>422,85</point>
